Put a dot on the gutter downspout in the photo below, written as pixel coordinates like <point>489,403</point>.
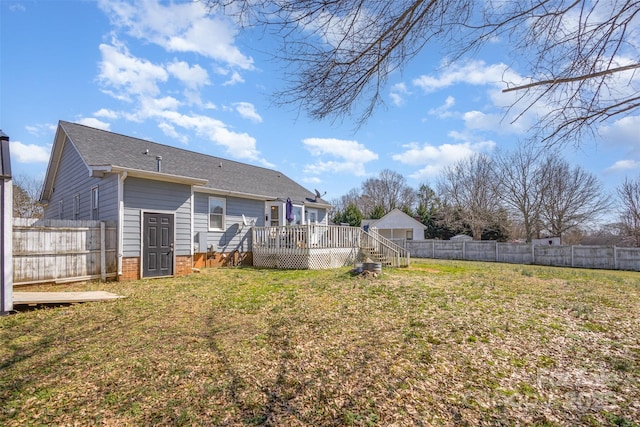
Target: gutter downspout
<point>121,179</point>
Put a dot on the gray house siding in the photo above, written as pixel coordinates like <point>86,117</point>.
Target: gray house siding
<point>235,235</point>
<point>322,215</point>
<point>73,178</point>
<point>155,196</point>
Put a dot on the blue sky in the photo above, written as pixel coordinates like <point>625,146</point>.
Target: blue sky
<point>170,73</point>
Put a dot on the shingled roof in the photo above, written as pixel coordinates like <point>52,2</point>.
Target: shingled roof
<point>112,151</point>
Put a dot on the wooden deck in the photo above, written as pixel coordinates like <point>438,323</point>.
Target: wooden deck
<point>315,247</point>
<point>35,298</point>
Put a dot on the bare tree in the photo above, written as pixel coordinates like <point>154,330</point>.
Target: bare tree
<point>571,197</point>
<point>26,195</point>
<point>629,195</point>
<point>581,55</point>
<point>389,191</point>
<point>468,194</point>
<point>354,197</point>
<point>519,182</point>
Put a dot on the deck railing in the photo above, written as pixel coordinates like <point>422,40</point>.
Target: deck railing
<point>383,250</point>
<point>301,239</point>
<point>306,237</point>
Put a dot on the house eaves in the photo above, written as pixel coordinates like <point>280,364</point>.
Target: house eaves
<point>99,171</point>
<point>261,197</point>
<point>221,191</point>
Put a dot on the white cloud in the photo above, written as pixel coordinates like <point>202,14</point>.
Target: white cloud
<point>94,123</point>
<point>193,77</point>
<point>179,27</point>
<point>624,132</point>
<point>248,111</point>
<point>473,73</point>
<point>322,168</point>
<point>477,120</point>
<point>398,91</point>
<point>234,79</point>
<point>624,165</point>
<point>29,153</point>
<point>311,180</point>
<point>345,149</point>
<point>237,145</point>
<point>171,132</point>
<point>105,113</point>
<point>351,155</point>
<point>496,116</point>
<point>444,110</point>
<point>17,7</point>
<point>42,129</point>
<point>433,159</point>
<point>150,106</point>
<point>128,74</point>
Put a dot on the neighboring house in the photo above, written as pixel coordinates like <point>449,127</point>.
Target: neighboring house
<point>396,225</point>
<point>175,209</point>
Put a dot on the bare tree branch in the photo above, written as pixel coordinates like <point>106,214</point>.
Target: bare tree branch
<point>572,79</point>
<point>580,55</point>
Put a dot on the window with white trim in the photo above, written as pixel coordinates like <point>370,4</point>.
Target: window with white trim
<point>312,216</point>
<point>94,203</point>
<point>297,215</point>
<point>60,209</point>
<point>217,209</point>
<point>76,206</point>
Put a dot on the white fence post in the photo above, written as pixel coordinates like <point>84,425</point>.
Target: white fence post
<point>103,253</point>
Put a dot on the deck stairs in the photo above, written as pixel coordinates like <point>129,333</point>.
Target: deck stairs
<point>375,248</point>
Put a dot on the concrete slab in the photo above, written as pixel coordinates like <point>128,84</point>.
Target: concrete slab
<point>34,298</point>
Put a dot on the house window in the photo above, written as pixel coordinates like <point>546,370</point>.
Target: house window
<point>94,203</point>
<point>312,216</point>
<point>76,206</point>
<point>60,210</point>
<point>217,208</point>
<point>409,235</point>
<point>297,215</point>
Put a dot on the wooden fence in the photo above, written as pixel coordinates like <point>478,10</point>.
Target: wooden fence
<point>578,256</point>
<point>59,251</point>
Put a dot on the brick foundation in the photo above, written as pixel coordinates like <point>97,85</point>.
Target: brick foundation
<point>184,265</point>
<point>130,269</point>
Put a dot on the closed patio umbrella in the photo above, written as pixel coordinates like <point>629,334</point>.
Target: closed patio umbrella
<point>289,211</point>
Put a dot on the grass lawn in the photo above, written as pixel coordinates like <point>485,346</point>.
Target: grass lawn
<point>439,343</point>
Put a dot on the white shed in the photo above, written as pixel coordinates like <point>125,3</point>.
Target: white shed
<point>396,225</point>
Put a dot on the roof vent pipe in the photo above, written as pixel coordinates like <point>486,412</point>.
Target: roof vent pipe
<point>159,163</point>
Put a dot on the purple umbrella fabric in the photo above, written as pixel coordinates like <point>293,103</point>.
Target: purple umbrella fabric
<point>289,211</point>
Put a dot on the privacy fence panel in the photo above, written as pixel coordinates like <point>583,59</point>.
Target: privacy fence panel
<point>627,258</point>
<point>63,251</point>
<point>602,257</point>
<point>557,256</point>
